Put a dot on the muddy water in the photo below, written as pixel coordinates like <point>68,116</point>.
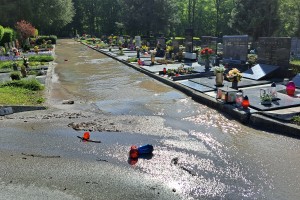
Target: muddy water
<point>203,153</point>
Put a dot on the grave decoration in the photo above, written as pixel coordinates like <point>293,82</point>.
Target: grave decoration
<point>234,76</point>
<point>235,49</point>
<point>206,54</point>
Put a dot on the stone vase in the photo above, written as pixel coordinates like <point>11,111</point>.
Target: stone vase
<point>207,63</point>
<point>219,79</point>
<point>235,85</point>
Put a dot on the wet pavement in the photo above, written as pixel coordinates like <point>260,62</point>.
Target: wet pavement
<point>198,152</point>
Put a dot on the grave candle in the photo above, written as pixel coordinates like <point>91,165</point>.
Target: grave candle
<point>290,88</point>
<point>245,102</point>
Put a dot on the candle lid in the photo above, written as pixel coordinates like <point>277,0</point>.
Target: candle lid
<point>273,84</point>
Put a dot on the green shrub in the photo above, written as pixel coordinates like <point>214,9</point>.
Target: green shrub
<point>1,32</point>
<point>41,58</point>
<point>15,75</point>
<point>40,40</point>
<point>296,119</point>
<point>295,66</point>
<point>8,36</point>
<point>30,84</point>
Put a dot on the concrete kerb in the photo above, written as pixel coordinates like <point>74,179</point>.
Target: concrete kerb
<point>254,120</point>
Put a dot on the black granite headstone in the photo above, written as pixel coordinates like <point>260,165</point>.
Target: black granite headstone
<point>175,46</point>
<point>208,41</point>
<point>295,47</point>
<point>274,51</point>
<point>296,80</point>
<point>162,42</point>
<point>235,47</point>
<point>189,40</point>
<point>259,71</point>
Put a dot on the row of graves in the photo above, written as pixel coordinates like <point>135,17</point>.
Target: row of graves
<point>13,51</point>
<point>264,84</point>
<point>272,68</point>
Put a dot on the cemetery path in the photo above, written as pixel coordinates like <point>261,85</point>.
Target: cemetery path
<point>198,152</point>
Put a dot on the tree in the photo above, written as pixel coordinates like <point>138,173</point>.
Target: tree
<point>50,16</point>
<point>25,30</point>
<point>255,17</point>
<point>289,23</point>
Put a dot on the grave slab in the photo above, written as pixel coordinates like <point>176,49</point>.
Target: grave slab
<point>195,86</point>
<point>259,71</point>
<point>283,100</point>
<point>158,68</point>
<point>296,80</point>
<point>210,82</point>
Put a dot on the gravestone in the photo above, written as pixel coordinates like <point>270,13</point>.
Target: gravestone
<point>208,41</point>
<point>121,39</point>
<point>296,80</point>
<point>175,46</point>
<point>10,45</point>
<point>162,42</point>
<point>189,40</point>
<point>274,51</point>
<point>17,44</point>
<point>259,71</point>
<point>295,47</point>
<point>152,42</point>
<point>6,47</point>
<point>235,48</point>
<point>138,41</point>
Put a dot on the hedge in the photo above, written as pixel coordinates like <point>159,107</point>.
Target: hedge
<point>42,38</point>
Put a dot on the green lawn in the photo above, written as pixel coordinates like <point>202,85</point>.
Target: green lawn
<point>20,96</point>
<point>21,92</point>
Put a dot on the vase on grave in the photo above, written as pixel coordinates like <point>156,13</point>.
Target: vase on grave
<point>207,63</point>
<point>234,83</point>
<point>219,79</point>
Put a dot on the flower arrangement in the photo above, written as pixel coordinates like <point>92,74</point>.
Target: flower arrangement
<point>206,53</point>
<point>234,75</point>
<point>219,69</point>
